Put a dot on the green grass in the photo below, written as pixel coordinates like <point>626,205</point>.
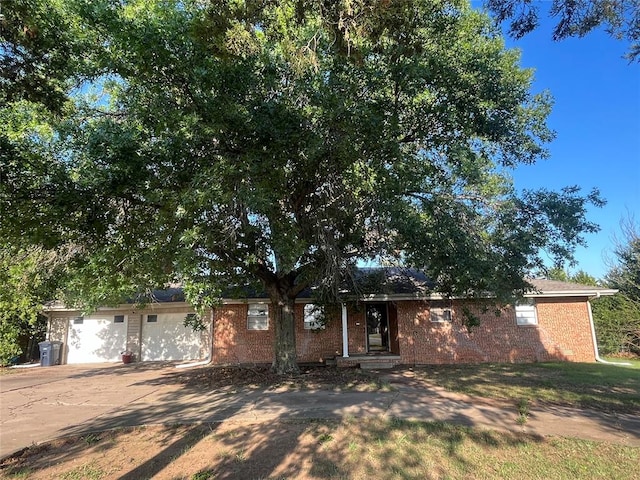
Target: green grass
<point>406,449</point>
<point>634,363</point>
<point>84,472</point>
<point>20,473</point>
<point>203,475</point>
<point>592,385</point>
<point>523,411</point>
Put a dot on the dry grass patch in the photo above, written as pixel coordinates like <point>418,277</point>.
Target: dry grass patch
<point>234,379</point>
<point>349,449</point>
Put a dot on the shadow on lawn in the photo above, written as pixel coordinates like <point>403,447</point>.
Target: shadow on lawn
<point>213,394</point>
<point>369,448</point>
<point>279,431</point>
<point>186,397</point>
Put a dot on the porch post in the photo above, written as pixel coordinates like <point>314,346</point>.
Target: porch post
<point>345,335</point>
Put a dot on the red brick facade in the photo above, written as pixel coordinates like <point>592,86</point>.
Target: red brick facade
<point>235,344</point>
<point>563,333</point>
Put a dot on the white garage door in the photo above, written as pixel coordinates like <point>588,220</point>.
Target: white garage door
<point>164,337</point>
<point>96,339</point>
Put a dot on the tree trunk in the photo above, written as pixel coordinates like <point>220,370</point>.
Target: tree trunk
<point>284,360</point>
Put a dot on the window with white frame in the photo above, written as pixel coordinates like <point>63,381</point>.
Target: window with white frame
<point>440,312</point>
<point>152,318</point>
<point>118,319</point>
<point>258,316</point>
<point>526,313</point>
<point>440,315</point>
<point>78,320</point>
<point>313,317</point>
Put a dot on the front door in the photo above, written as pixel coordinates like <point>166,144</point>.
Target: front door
<point>377,327</point>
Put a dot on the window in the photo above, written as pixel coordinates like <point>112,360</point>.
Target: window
<point>440,312</point>
<point>526,313</point>
<point>258,316</point>
<point>78,320</point>
<point>118,319</point>
<point>152,318</point>
<point>313,317</point>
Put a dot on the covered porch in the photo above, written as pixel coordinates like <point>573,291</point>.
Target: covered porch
<point>373,335</point>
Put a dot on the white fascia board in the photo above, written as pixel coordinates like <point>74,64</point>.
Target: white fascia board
<point>364,298</point>
<point>379,297</point>
<point>54,307</point>
<point>374,297</point>
<point>160,306</point>
<point>57,307</point>
<point>124,307</point>
<point>243,301</point>
<point>63,309</point>
<point>572,293</point>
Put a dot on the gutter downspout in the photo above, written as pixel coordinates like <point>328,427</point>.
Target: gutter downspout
<point>593,336</point>
<point>209,357</point>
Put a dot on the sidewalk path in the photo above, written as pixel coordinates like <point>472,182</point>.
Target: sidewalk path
<point>56,401</point>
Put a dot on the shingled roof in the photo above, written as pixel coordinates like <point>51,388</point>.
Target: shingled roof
<point>555,288</point>
<point>382,284</point>
<point>399,283</point>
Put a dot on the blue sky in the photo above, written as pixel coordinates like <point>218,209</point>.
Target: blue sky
<point>596,117</point>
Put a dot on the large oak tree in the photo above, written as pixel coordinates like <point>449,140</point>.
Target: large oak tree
<point>279,142</point>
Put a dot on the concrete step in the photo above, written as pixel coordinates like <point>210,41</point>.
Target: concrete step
<point>376,365</point>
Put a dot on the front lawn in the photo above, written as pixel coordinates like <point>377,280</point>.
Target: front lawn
<point>593,385</point>
<point>635,361</point>
<point>308,449</point>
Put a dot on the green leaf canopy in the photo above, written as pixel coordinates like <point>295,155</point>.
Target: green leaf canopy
<point>283,142</point>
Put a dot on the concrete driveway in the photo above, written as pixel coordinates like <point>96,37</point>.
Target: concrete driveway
<point>42,403</point>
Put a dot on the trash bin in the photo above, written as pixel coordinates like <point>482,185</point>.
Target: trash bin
<point>50,353</point>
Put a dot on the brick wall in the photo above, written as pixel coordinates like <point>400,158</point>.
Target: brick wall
<point>318,345</point>
<point>563,333</point>
<point>235,344</point>
<point>567,323</point>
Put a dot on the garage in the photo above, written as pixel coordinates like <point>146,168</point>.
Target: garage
<point>96,339</point>
<point>164,337</point>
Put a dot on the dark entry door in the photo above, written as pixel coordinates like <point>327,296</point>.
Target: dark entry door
<point>377,327</point>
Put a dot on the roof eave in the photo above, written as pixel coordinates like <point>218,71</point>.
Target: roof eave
<point>123,306</point>
<point>367,298</point>
<point>572,293</point>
